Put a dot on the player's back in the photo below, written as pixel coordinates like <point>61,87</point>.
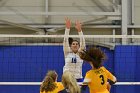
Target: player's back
<point>98,80</point>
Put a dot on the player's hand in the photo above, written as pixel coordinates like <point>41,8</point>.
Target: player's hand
<point>68,23</point>
<point>78,26</point>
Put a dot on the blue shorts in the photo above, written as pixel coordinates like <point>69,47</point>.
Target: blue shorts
<point>80,80</point>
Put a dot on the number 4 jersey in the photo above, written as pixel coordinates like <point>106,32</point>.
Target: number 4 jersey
<point>97,80</point>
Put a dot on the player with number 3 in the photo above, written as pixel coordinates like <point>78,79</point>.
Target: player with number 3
<point>96,78</point>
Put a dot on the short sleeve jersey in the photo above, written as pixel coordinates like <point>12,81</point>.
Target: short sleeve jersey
<point>98,80</point>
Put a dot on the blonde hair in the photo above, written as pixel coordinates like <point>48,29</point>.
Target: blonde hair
<point>48,83</point>
<point>69,82</point>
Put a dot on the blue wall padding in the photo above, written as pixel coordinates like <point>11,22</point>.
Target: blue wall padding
<point>137,68</point>
<point>127,67</point>
<point>31,63</point>
<point>125,63</point>
<point>19,89</point>
<point>125,89</point>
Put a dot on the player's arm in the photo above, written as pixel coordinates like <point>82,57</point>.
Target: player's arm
<point>83,86</point>
<point>112,82</point>
<point>79,29</point>
<point>108,86</point>
<point>66,48</point>
<point>111,77</point>
<point>86,81</point>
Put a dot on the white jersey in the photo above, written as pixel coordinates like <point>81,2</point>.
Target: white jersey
<point>73,62</point>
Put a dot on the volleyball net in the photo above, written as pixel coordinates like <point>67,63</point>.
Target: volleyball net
<point>25,59</point>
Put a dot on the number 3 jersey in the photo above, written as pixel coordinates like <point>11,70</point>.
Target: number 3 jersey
<point>97,80</point>
<point>73,63</point>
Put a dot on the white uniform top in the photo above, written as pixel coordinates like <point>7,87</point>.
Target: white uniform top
<point>73,62</point>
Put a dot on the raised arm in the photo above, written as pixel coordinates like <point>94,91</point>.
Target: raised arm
<point>82,39</point>
<point>66,47</point>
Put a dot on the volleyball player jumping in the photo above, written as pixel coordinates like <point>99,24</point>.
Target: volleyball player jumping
<point>73,62</point>
<point>96,78</point>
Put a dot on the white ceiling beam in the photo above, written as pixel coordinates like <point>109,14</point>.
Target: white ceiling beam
<point>64,13</point>
<point>133,12</point>
<point>100,5</point>
<point>75,36</point>
<point>87,26</point>
<point>21,26</point>
<point>124,21</point>
<point>60,26</point>
<point>46,6</point>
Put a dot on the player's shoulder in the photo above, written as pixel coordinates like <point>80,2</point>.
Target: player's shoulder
<point>103,68</point>
<point>89,72</point>
<point>59,83</point>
